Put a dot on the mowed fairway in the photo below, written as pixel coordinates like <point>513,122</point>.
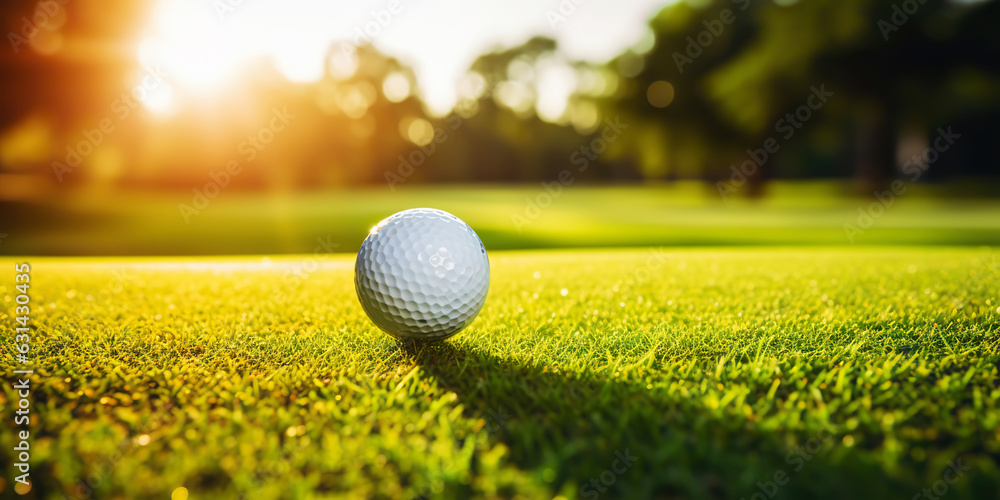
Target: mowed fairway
<point>664,373</point>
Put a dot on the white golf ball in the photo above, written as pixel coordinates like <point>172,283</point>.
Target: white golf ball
<point>422,274</point>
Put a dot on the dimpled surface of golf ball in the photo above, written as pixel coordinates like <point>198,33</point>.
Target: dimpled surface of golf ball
<point>422,274</point>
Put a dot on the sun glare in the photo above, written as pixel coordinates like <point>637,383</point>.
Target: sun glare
<point>193,48</point>
<point>204,50</point>
<point>207,47</point>
<point>160,100</point>
<point>300,61</point>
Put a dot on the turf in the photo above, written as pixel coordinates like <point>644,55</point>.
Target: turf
<point>506,217</point>
<point>838,373</point>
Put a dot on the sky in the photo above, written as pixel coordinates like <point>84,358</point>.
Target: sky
<point>203,42</point>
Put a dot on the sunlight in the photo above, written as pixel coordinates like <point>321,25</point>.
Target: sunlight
<point>300,61</point>
<point>203,51</point>
<point>206,47</point>
<point>160,100</point>
<point>191,45</point>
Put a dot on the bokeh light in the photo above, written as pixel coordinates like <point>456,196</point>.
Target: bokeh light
<point>396,87</point>
<point>660,93</point>
<point>417,130</point>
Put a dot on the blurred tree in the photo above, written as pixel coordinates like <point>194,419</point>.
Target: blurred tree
<point>496,134</point>
<point>735,68</point>
<point>892,69</point>
<point>683,132</point>
<point>63,64</point>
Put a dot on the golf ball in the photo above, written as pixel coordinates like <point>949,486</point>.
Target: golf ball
<point>422,274</point>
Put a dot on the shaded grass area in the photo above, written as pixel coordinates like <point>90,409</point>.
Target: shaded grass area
<point>849,373</point>
<point>523,217</point>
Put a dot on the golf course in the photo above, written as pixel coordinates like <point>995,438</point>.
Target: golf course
<point>500,250</point>
<point>681,214</point>
<point>661,371</point>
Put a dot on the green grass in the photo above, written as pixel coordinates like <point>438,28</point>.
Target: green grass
<point>855,373</point>
<point>681,214</point>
